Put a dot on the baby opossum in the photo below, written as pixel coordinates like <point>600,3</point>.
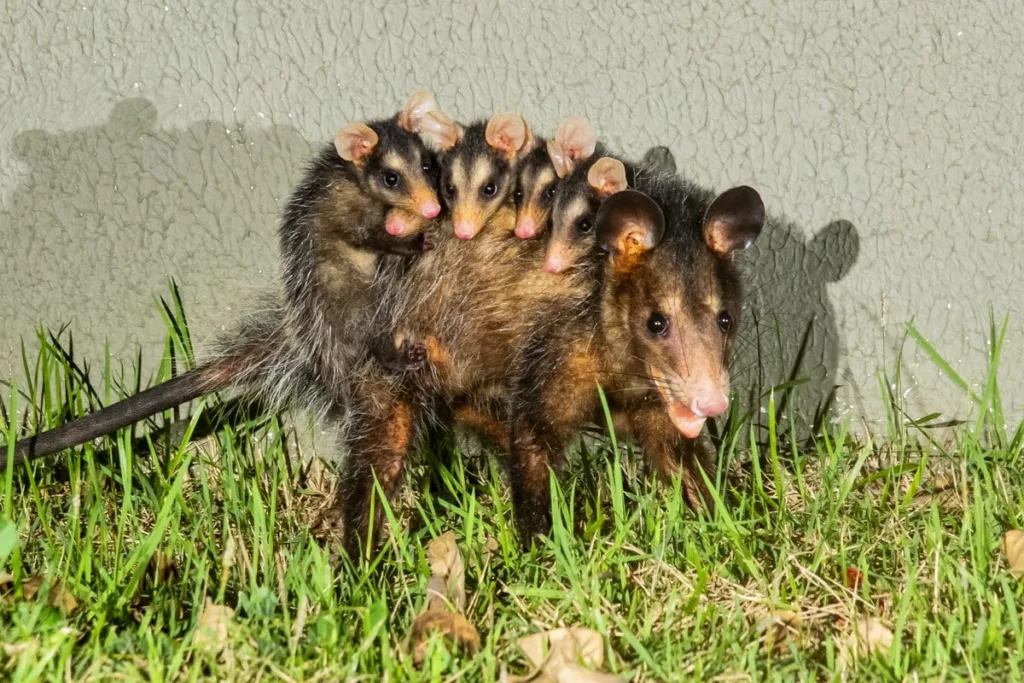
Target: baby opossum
<point>342,236</point>
<point>539,173</point>
<point>586,185</point>
<point>655,336</point>
<point>478,166</point>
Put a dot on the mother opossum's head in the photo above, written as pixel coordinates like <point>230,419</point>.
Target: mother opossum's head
<point>672,297</point>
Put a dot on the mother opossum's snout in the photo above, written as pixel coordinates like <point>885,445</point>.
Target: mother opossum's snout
<point>690,403</point>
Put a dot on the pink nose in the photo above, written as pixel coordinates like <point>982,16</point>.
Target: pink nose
<point>709,403</point>
<point>430,208</point>
<point>465,230</point>
<point>553,263</point>
<point>526,229</point>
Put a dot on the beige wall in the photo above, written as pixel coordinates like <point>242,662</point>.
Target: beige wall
<point>143,141</point>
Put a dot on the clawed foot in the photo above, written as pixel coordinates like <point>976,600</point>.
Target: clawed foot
<point>429,239</point>
<point>412,356</point>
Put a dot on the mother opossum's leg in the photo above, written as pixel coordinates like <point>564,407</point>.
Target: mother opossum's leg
<point>381,434</point>
<point>671,453</point>
<point>535,448</point>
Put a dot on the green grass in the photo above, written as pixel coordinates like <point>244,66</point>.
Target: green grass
<point>144,528</point>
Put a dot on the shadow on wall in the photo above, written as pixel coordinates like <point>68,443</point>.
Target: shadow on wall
<point>112,210</point>
<point>789,331</point>
<point>107,213</point>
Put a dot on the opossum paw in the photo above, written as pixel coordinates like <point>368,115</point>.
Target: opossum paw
<point>429,239</point>
<point>414,356</point>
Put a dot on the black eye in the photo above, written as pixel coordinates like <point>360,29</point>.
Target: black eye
<point>428,166</point>
<point>550,192</point>
<point>519,194</point>
<point>490,189</point>
<point>449,189</point>
<point>657,324</point>
<point>391,178</point>
<point>585,226</point>
<point>724,321</point>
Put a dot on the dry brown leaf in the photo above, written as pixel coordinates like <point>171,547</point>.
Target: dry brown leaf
<point>779,628</point>
<point>62,599</point>
<point>59,596</point>
<point>565,642</point>
<point>447,573</point>
<point>447,583</point>
<point>869,637</point>
<point>212,629</point>
<point>454,627</point>
<point>565,655</point>
<point>31,586</point>
<point>574,673</point>
<point>1013,546</point>
<point>12,650</point>
<point>873,635</point>
<point>161,567</point>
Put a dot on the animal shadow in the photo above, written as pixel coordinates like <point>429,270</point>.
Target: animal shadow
<point>107,213</point>
<point>789,335</point>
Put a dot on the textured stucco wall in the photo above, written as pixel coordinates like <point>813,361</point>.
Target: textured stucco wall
<point>141,141</point>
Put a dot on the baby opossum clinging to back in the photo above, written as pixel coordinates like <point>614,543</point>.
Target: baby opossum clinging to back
<point>346,230</point>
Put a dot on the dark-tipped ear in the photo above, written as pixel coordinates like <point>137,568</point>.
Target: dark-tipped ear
<point>734,220</point>
<point>629,224</point>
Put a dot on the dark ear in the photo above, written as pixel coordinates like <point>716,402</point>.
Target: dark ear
<point>660,158</point>
<point>734,220</point>
<point>629,224</point>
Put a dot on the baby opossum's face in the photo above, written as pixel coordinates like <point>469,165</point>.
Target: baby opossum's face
<point>402,173</point>
<point>673,303</point>
<point>393,166</point>
<point>534,193</point>
<point>478,170</point>
<point>575,206</point>
<point>474,183</point>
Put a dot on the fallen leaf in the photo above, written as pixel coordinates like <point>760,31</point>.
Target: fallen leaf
<point>873,635</point>
<point>1013,546</point>
<point>447,573</point>
<point>212,628</point>
<point>161,567</point>
<point>447,585</point>
<point>31,586</point>
<point>59,596</point>
<point>565,655</point>
<point>453,626</point>
<point>780,627</point>
<point>854,578</point>
<point>15,650</point>
<point>869,637</point>
<point>62,599</point>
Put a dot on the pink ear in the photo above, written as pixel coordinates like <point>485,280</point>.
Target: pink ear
<point>607,176</point>
<point>355,142</point>
<point>419,105</point>
<point>440,130</point>
<point>577,139</point>
<point>563,165</point>
<point>507,133</point>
